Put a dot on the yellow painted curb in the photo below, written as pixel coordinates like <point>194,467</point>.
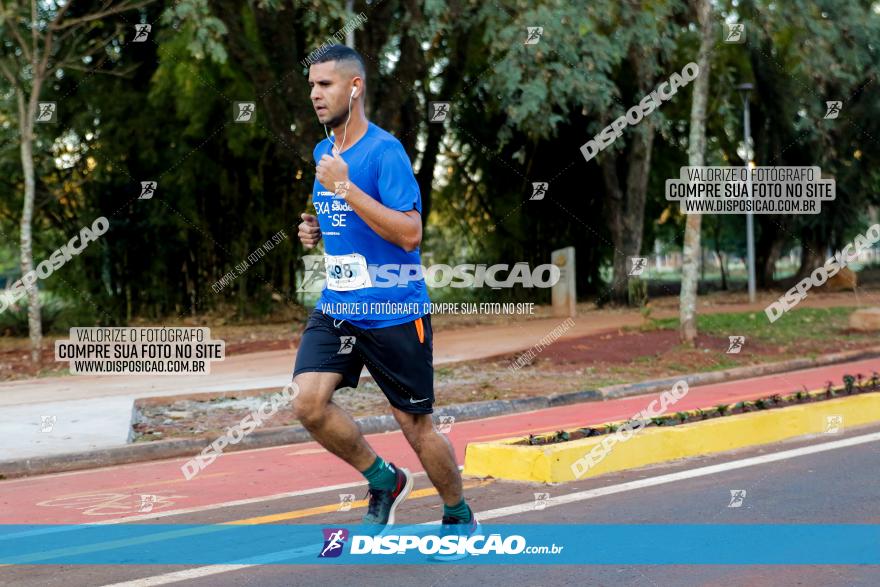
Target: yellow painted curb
<point>553,463</point>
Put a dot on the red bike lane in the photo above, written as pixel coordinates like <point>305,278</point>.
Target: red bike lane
<point>111,493</point>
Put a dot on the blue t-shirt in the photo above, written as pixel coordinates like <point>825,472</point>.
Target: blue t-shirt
<point>380,167</point>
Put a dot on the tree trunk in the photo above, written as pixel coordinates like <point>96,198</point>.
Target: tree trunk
<point>812,252</point>
<point>450,85</point>
<point>623,209</point>
<point>626,206</point>
<point>716,237</point>
<point>696,148</point>
<point>26,124</point>
<point>720,256</point>
<point>768,268</point>
<point>702,265</point>
<point>769,247</point>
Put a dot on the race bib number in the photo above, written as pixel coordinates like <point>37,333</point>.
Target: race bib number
<point>347,272</point>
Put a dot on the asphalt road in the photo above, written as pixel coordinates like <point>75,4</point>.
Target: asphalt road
<point>827,486</point>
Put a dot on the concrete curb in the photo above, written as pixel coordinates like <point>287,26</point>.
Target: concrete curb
<point>556,463</point>
<point>278,436</point>
<point>645,387</point>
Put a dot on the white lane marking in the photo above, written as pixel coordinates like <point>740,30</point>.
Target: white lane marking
<point>210,570</point>
<point>180,576</point>
<point>195,509</point>
<point>154,515</point>
<point>229,504</point>
<point>682,475</point>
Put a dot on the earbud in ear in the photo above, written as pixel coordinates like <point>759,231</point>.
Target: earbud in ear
<point>353,90</point>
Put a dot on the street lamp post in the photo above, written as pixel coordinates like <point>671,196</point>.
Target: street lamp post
<point>744,90</point>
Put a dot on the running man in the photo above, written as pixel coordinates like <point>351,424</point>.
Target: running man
<point>369,214</point>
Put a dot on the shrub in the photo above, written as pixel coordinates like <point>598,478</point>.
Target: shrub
<point>14,321</point>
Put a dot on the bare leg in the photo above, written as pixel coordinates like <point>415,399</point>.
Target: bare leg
<point>329,424</point>
<point>435,452</point>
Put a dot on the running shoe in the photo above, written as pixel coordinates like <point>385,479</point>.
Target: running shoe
<point>383,502</point>
<point>453,526</point>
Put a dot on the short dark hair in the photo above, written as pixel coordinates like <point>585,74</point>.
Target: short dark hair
<point>342,54</point>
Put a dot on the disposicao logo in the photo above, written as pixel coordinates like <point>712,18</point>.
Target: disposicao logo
<point>334,541</point>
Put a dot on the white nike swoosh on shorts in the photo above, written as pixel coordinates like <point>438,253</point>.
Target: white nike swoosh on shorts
<point>414,401</point>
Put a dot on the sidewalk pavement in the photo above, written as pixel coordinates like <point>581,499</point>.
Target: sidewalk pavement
<point>94,412</point>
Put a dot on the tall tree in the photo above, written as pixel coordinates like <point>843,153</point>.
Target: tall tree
<point>649,31</point>
<point>39,38</point>
<point>625,203</point>
<point>691,257</point>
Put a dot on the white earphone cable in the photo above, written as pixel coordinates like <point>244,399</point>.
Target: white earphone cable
<point>344,129</point>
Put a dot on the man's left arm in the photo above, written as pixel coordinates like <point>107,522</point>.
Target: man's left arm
<point>404,229</point>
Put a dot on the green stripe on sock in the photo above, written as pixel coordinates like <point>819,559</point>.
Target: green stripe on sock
<point>380,475</point>
<point>460,511</point>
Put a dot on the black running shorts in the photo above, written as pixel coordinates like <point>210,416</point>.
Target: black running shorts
<point>400,358</point>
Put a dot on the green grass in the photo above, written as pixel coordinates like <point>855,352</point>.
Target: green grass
<point>722,362</point>
<point>793,326</point>
<point>597,382</point>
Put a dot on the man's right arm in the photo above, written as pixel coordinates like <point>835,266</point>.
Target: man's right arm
<point>309,231</point>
